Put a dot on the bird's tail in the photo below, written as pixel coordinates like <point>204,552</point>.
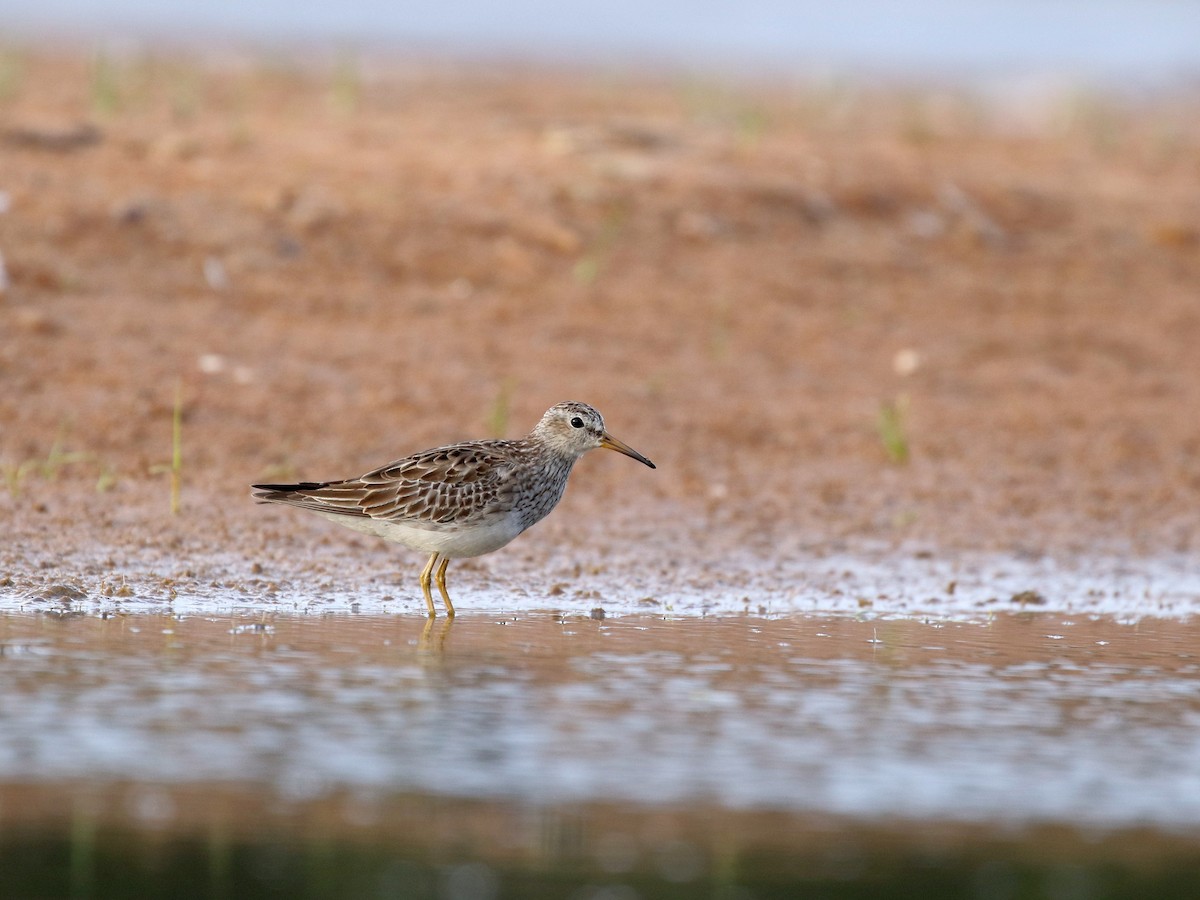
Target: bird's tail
<point>285,493</point>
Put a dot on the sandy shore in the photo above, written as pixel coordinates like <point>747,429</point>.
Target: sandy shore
<point>847,323</point>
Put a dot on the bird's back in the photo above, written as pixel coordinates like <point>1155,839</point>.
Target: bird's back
<point>456,484</point>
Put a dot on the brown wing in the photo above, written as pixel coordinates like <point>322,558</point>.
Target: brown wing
<point>439,486</point>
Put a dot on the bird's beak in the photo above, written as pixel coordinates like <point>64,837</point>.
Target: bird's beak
<point>608,442</point>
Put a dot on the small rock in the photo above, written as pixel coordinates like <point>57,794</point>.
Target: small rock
<point>62,592</point>
<point>1032,598</point>
<point>57,138</point>
<point>215,274</point>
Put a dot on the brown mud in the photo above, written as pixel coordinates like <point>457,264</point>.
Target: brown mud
<point>840,318</point>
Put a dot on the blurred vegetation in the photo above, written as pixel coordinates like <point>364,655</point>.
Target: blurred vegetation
<point>89,862</point>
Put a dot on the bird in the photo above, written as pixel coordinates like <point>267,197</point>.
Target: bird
<point>460,500</point>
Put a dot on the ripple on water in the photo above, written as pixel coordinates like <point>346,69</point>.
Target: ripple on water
<point>870,720</point>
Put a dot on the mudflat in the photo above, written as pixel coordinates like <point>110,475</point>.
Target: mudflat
<point>898,322</point>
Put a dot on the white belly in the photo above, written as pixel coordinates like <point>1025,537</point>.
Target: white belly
<point>451,542</point>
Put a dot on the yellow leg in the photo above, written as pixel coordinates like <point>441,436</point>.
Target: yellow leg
<point>441,583</point>
<point>426,575</point>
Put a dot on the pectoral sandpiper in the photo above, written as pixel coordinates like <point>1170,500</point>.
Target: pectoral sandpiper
<point>460,500</point>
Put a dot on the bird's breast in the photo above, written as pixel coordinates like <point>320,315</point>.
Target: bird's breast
<point>540,490</point>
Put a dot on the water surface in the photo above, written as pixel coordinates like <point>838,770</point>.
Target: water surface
<point>793,729</point>
<point>862,718</point>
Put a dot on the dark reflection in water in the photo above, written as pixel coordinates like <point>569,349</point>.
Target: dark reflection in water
<point>643,751</point>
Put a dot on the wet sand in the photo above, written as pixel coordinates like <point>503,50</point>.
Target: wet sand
<point>343,266</point>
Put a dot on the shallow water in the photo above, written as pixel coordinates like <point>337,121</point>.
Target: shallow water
<point>784,725</point>
<point>625,580</point>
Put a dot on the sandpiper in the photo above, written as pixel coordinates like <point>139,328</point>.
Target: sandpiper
<point>463,499</point>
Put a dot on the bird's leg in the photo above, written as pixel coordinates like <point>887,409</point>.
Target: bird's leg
<point>426,574</point>
<point>441,583</point>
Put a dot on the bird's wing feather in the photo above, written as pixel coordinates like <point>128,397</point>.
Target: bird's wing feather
<point>435,487</point>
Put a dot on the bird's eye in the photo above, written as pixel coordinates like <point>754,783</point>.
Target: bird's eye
<point>577,422</point>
